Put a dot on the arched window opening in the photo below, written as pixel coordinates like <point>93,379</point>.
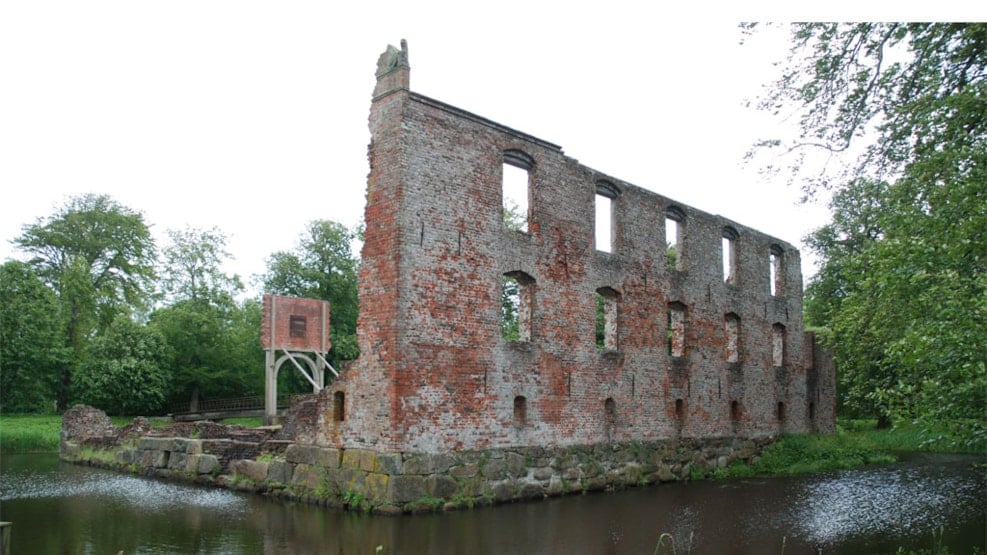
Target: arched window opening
<point>729,247</point>
<point>734,410</point>
<point>777,270</point>
<point>679,409</point>
<point>781,411</point>
<point>605,236</point>
<point>606,318</point>
<point>338,406</point>
<point>778,345</point>
<point>674,227</point>
<point>732,324</point>
<point>516,304</point>
<point>676,329</point>
<point>520,411</point>
<point>516,189</point>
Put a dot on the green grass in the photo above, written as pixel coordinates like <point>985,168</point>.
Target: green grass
<point>246,422</point>
<point>41,433</point>
<point>30,434</point>
<point>856,443</point>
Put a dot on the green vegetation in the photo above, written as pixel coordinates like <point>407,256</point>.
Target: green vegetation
<point>902,287</point>
<point>856,443</point>
<point>97,313</point>
<point>30,434</point>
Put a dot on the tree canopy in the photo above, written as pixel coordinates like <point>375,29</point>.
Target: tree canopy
<point>98,257</point>
<point>902,287</point>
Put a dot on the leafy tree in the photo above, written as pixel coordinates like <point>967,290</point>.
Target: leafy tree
<point>30,341</point>
<point>903,283</point>
<point>124,374</point>
<point>199,324</point>
<point>321,267</point>
<point>98,256</point>
<point>192,264</point>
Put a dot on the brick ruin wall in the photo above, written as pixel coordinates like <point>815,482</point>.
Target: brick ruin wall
<point>436,375</point>
<point>440,411</point>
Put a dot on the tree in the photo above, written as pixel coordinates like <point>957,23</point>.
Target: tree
<point>97,256</point>
<point>192,264</point>
<point>31,341</point>
<point>903,282</point>
<point>198,325</point>
<point>321,267</point>
<point>123,374</point>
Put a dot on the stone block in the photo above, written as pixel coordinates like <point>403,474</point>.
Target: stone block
<point>207,464</point>
<point>424,463</point>
<point>375,486</point>
<point>280,472</point>
<point>307,476</point>
<point>388,463</point>
<point>464,470</point>
<point>154,459</point>
<point>156,443</point>
<point>502,491</point>
<point>302,454</point>
<point>177,461</point>
<point>441,486</point>
<point>255,470</point>
<point>329,457</point>
<point>516,466</point>
<point>405,488</point>
<point>494,469</point>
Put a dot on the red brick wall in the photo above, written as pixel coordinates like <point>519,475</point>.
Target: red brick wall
<point>276,324</point>
<point>434,372</point>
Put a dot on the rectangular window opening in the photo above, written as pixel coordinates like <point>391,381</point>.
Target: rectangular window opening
<point>606,319</point>
<point>296,326</point>
<point>515,194</point>
<point>604,223</point>
<point>729,260</point>
<point>516,300</point>
<point>676,330</point>
<point>673,245</point>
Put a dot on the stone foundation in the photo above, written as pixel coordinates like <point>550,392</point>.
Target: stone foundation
<point>257,460</point>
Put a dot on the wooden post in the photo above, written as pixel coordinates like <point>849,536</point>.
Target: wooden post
<point>5,529</point>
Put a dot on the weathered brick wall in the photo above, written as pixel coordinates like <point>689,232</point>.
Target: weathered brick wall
<point>435,373</point>
<point>311,324</point>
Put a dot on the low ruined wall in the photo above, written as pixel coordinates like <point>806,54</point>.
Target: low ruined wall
<point>393,483</point>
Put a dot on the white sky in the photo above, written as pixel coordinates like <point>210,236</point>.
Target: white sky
<point>252,116</point>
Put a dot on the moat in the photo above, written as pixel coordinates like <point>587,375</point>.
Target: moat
<point>62,508</point>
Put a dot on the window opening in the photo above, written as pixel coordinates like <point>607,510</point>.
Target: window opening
<point>610,411</point>
<point>674,219</point>
<point>604,232</point>
<point>338,408</point>
<point>676,329</point>
<point>296,326</point>
<point>735,410</point>
<point>812,411</point>
<point>520,411</point>
<point>516,300</point>
<point>776,269</point>
<point>606,318</point>
<point>732,322</point>
<point>778,345</point>
<point>679,408</point>
<point>781,411</point>
<point>516,189</point>
<point>729,248</point>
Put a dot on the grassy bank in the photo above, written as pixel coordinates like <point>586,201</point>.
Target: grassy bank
<point>41,433</point>
<point>856,443</point>
<point>30,434</point>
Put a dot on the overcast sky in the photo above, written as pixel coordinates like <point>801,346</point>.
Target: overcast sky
<point>252,116</point>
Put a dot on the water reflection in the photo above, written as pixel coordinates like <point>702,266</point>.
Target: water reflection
<point>68,509</point>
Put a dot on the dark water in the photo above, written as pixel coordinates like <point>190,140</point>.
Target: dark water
<point>58,508</point>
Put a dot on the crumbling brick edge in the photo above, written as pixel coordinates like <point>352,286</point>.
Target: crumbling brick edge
<point>257,461</point>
